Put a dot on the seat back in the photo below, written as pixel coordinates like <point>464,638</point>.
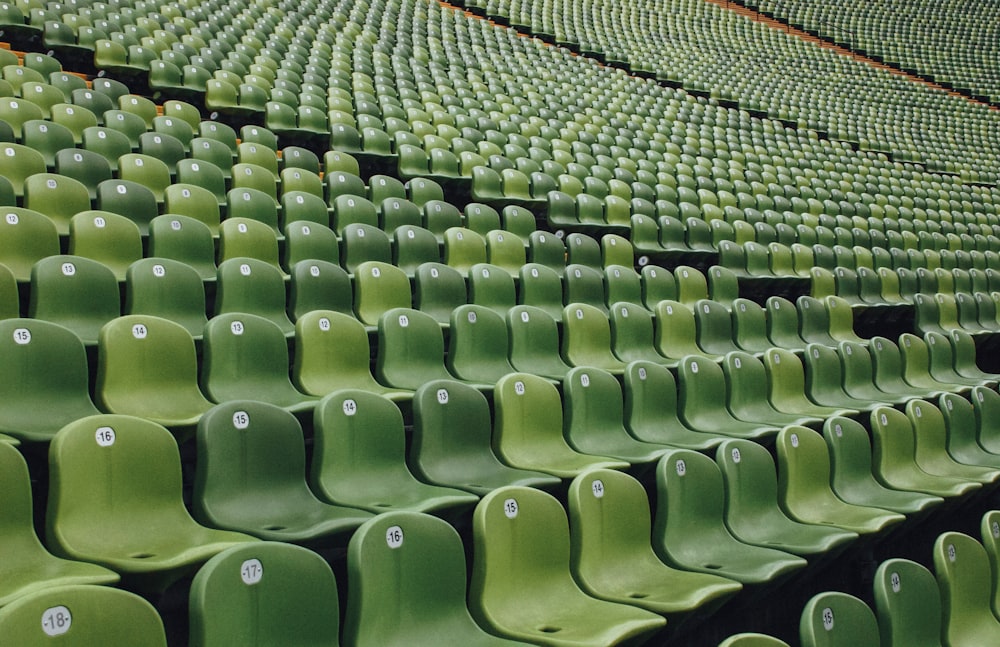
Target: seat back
<point>265,592</point>
<point>407,579</point>
<point>410,349</point>
<point>534,342</point>
<point>147,367</point>
<point>379,287</point>
<point>169,289</point>
<point>45,381</point>
<point>76,292</point>
<point>833,619</point>
<point>84,615</point>
<point>586,338</point>
<point>331,353</point>
<point>477,345</point>
<point>908,604</point>
<point>253,286</point>
<point>963,574</point>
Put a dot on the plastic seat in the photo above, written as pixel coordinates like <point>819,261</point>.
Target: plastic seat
<point>852,472</point>
<point>28,567</point>
<point>548,250</point>
<point>18,163</point>
<point>931,439</point>
<point>319,285</point>
<point>477,345</point>
<point>59,198</point>
<point>130,200</point>
<point>747,382</point>
<point>83,615</point>
<point>87,167</point>
<point>521,540</point>
<point>534,343</point>
<point>701,399</point>
<point>146,478</point>
<point>895,459</point>
<point>251,477</point>
<point>858,375</point>
<point>528,429</point>
<point>804,489</point>
<point>439,289</point>
<point>407,582</point>
<point>612,557</point>
<point>750,327</point>
<point>359,458</point>
<point>963,574</point>
<point>752,511</point>
<point>985,403</point>
<point>593,418</point>
<point>584,285</point>
<point>253,286</point>
<point>46,383</point>
<point>250,204</point>
<point>689,530</point>
<point>245,357</point>
<point>362,243</point>
<point>28,237</point>
<point>379,287</point>
<point>833,619</point>
<point>194,201</point>
<point>783,324</point>
<point>908,604</point>
<point>147,368</point>
<point>888,370</point>
<point>186,240</point>
<point>786,380</point>
<point>332,353</point>
<point>541,287</point>
<point>452,442</point>
<point>75,292</point>
<point>586,339</point>
<point>308,240</point>
<point>168,289</point>
<point>268,592</point>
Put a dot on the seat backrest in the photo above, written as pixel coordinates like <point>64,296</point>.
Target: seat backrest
<point>28,236</point>
<point>112,239</point>
<point>45,381</point>
<point>439,289</point>
<point>750,326</point>
<point>963,574</point>
<point>492,287</point>
<point>477,344</point>
<point>254,286</point>
<point>586,338</point>
<point>169,289</point>
<point>379,287</point>
<point>264,591</point>
<point>908,604</point>
<point>534,342</point>
<point>319,285</point>
<point>147,366</point>
<point>833,619</point>
<point>410,349</point>
<point>82,614</point>
<point>184,239</point>
<point>112,470</point>
<point>76,292</point>
<point>583,284</point>
<point>407,581</point>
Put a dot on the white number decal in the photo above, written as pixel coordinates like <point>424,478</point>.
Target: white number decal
<point>394,537</point>
<point>795,440</point>
<point>56,621</point>
<point>404,321</point>
<point>175,225</point>
<point>585,380</point>
<point>524,317</point>
<point>376,272</point>
<point>251,571</point>
<point>519,388</point>
<point>241,419</point>
<point>324,324</point>
<point>472,317</point>
<point>242,228</point>
<point>22,336</point>
<point>100,222</point>
<point>159,271</point>
<point>510,508</point>
<point>350,407</point>
<point>245,269</point>
<point>139,331</point>
<point>828,619</point>
<point>681,468</point>
<point>895,582</point>
<point>736,455</point>
<point>314,271</point>
<point>442,396</point>
<point>236,328</point>
<point>642,373</point>
<point>597,487</point>
<point>952,553</point>
<point>105,436</point>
